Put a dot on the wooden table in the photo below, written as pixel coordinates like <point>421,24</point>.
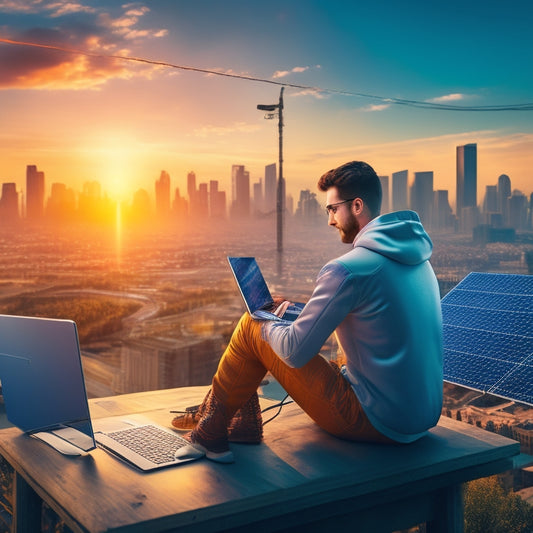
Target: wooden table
<point>299,479</point>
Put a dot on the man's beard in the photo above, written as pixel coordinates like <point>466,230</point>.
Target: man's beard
<point>350,230</point>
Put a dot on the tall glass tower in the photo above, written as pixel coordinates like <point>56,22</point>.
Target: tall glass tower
<point>466,193</point>
<point>34,193</point>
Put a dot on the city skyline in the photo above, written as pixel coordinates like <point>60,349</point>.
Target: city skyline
<point>183,185</point>
<point>500,212</point>
<point>362,82</point>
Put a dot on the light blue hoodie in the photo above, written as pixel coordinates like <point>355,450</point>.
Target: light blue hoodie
<point>382,298</point>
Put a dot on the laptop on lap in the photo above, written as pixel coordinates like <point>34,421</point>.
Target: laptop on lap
<point>255,293</point>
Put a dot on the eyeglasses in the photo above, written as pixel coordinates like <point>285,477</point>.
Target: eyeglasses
<point>332,208</point>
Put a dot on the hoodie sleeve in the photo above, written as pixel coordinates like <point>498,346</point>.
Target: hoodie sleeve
<point>332,299</point>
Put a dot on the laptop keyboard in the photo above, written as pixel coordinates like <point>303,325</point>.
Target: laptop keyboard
<point>150,442</point>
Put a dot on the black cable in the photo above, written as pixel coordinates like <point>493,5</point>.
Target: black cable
<point>398,101</point>
<point>279,405</point>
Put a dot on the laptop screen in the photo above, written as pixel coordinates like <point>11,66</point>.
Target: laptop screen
<point>251,283</point>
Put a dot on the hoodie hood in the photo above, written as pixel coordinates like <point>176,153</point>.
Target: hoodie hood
<point>399,236</point>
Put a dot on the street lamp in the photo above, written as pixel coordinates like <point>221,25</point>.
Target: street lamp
<point>271,113</point>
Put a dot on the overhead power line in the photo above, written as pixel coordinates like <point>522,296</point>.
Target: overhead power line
<point>383,99</point>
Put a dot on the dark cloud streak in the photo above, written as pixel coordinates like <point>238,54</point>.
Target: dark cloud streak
<point>54,57</point>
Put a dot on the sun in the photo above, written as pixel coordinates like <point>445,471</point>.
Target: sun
<point>117,159</point>
<point>118,172</point>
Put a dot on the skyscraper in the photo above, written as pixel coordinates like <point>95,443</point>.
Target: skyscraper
<point>162,195</point>
<point>34,193</point>
<point>9,203</point>
<point>308,206</point>
<point>270,188</point>
<point>202,206</point>
<point>258,200</point>
<point>422,196</point>
<point>504,193</point>
<point>490,202</point>
<point>180,206</point>
<point>61,204</point>
<point>442,212</point>
<point>385,202</point>
<point>518,206</point>
<point>217,201</point>
<point>399,190</point>
<point>466,193</point>
<point>191,184</point>
<point>240,188</point>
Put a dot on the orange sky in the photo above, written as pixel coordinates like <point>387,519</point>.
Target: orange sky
<point>94,116</point>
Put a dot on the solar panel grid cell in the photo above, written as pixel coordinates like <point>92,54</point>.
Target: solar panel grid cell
<point>487,333</point>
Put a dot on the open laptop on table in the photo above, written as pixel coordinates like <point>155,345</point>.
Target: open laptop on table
<point>45,396</point>
<point>255,292</point>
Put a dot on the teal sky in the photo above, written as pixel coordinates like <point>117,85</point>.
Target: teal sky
<point>62,109</point>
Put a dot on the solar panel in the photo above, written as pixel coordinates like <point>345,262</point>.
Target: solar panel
<point>488,335</point>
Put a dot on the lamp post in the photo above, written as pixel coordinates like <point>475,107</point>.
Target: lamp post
<point>271,113</point>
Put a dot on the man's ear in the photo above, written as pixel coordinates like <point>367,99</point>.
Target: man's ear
<point>358,206</point>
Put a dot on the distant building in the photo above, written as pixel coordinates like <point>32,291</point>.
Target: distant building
<point>191,185</point>
<point>270,188</point>
<point>162,195</point>
<point>61,204</point>
<point>530,213</point>
<point>34,193</point>
<point>422,196</point>
<point>202,200</point>
<point>308,206</point>
<point>517,210</point>
<point>240,189</point>
<point>443,218</point>
<point>141,204</point>
<point>523,433</point>
<point>385,198</point>
<point>91,206</point>
<point>469,218</point>
<point>165,363</point>
<point>258,200</point>
<point>484,234</point>
<point>466,183</point>
<point>180,206</point>
<point>490,202</point>
<point>399,190</point>
<point>504,192</point>
<point>289,204</point>
<point>9,204</point>
<point>217,201</point>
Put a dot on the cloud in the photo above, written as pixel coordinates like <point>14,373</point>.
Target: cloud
<point>237,127</point>
<point>59,9</point>
<point>454,97</point>
<point>317,93</point>
<point>375,107</point>
<point>55,8</point>
<point>283,73</point>
<point>71,52</point>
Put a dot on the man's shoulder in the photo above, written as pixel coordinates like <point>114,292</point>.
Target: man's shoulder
<point>358,260</point>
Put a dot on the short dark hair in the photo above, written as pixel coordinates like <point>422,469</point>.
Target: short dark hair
<point>355,180</point>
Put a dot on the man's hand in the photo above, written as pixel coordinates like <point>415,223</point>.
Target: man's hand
<point>280,310</point>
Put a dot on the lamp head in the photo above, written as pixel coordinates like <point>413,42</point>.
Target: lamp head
<point>264,107</point>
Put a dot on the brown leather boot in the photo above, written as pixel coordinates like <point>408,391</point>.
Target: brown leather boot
<point>211,432</point>
<point>246,426</point>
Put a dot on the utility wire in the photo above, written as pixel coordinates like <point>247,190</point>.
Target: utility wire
<point>384,99</point>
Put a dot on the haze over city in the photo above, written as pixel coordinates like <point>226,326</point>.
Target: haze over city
<point>370,82</point>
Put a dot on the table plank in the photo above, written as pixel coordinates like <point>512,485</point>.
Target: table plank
<point>297,468</point>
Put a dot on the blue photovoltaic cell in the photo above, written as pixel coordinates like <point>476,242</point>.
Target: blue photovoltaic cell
<point>488,337</point>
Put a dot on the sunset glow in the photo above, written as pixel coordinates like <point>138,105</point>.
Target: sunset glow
<point>99,91</point>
